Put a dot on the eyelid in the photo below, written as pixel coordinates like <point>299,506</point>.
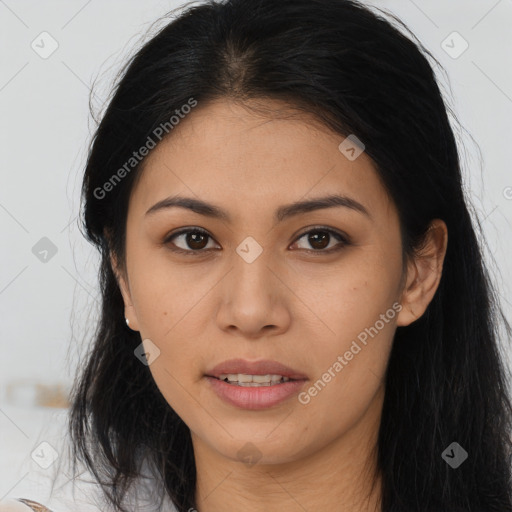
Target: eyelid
<point>344,239</point>
<point>320,227</point>
<point>184,231</point>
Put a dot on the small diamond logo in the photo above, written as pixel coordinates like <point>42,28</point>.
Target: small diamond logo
<point>44,45</point>
<point>147,352</point>
<point>454,45</point>
<point>249,249</point>
<point>351,147</point>
<point>249,454</point>
<point>454,455</point>
<point>44,250</point>
<point>44,455</point>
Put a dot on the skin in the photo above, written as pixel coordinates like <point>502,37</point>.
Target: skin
<point>289,305</point>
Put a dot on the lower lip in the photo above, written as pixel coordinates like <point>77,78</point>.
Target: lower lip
<point>255,398</point>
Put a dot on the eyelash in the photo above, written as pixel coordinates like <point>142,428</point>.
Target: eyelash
<point>343,240</point>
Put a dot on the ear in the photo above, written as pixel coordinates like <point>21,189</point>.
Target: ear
<point>424,274</point>
<point>122,281</point>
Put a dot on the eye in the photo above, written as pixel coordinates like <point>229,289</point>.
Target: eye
<point>193,240</point>
<point>320,237</point>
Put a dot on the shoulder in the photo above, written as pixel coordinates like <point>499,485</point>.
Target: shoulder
<point>18,505</point>
<point>68,487</point>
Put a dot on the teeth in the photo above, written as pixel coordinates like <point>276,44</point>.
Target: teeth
<point>245,380</point>
<point>259,378</point>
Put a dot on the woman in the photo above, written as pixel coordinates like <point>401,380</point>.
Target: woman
<point>295,310</point>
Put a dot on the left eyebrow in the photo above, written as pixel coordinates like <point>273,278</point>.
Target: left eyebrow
<point>282,213</point>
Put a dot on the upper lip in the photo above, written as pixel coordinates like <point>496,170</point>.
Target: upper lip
<point>263,367</point>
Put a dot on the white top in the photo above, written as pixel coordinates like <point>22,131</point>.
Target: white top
<point>46,478</point>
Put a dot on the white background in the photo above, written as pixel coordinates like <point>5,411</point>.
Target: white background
<point>47,310</point>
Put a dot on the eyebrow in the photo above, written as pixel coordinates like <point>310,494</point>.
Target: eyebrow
<point>282,213</point>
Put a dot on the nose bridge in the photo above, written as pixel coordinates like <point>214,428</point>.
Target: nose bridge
<point>251,274</point>
<point>250,293</point>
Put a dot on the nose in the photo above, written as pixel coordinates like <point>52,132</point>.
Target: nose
<point>254,299</point>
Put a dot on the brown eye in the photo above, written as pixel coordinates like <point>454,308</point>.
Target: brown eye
<point>196,240</point>
<point>320,239</point>
<point>189,240</point>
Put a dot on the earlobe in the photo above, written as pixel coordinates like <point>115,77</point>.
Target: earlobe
<point>424,274</point>
<point>129,311</point>
<point>406,316</point>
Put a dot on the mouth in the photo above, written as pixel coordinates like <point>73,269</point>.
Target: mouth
<point>254,385</point>
<point>264,371</point>
<point>253,381</point>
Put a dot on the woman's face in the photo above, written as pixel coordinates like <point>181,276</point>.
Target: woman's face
<point>261,284</point>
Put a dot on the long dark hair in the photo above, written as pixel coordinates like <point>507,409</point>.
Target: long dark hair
<point>359,73</point>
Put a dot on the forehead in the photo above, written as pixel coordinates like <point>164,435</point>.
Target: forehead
<point>245,159</point>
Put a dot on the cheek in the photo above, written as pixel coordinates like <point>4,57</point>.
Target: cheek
<point>350,365</point>
<point>169,303</point>
<point>358,293</point>
<point>359,307</point>
<point>163,295</point>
